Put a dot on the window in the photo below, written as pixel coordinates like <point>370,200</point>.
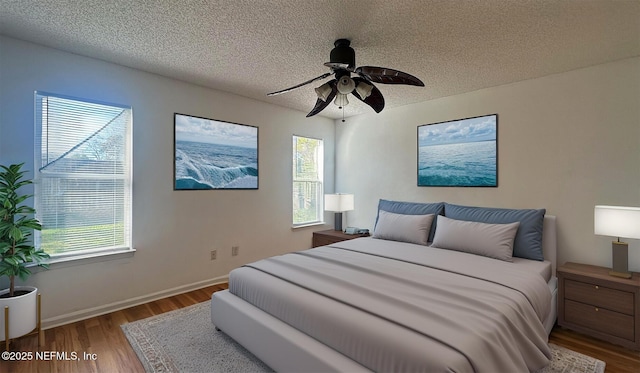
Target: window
<point>308,158</point>
<point>83,176</point>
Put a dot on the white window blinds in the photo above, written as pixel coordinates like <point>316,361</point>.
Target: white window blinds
<point>82,175</point>
<point>308,156</point>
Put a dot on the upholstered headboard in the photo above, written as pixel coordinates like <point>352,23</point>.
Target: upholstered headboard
<point>549,247</point>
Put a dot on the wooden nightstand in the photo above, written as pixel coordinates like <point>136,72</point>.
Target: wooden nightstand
<point>330,236</point>
<point>592,302</point>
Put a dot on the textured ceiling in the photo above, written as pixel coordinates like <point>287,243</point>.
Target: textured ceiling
<point>252,47</point>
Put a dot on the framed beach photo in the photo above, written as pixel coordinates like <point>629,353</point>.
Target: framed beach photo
<point>459,153</point>
<point>213,154</point>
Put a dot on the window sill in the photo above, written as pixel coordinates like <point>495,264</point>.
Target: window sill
<point>309,225</point>
<point>81,259</point>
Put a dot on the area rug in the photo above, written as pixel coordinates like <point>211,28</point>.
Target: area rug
<point>185,341</point>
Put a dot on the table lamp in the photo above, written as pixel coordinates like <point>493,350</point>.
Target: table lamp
<point>338,203</point>
<point>618,221</point>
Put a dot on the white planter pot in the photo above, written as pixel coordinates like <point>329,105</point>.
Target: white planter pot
<point>22,312</point>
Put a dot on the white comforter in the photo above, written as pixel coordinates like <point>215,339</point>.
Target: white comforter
<point>401,307</point>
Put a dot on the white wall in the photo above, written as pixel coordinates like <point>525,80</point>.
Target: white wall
<point>173,231</point>
<point>567,142</point>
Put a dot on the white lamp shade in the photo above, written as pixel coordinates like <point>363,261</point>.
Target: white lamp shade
<point>323,91</point>
<point>346,85</point>
<point>341,100</point>
<point>338,202</point>
<point>364,89</point>
<point>617,221</point>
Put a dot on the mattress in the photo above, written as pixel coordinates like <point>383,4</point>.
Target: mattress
<point>541,267</point>
<point>393,306</point>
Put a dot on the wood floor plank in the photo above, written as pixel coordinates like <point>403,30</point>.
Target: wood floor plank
<point>617,358</point>
<point>103,337</point>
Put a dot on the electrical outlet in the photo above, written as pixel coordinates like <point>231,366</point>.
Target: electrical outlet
<point>214,254</point>
<point>234,250</point>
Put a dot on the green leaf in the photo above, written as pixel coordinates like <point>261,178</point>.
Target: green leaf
<point>17,225</point>
<point>11,260</point>
<point>15,233</point>
<point>25,210</point>
<point>5,270</point>
<point>39,257</point>
<point>32,223</point>
<point>23,273</point>
<point>21,199</point>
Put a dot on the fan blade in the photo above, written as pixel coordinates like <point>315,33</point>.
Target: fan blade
<point>320,105</point>
<point>299,85</point>
<point>375,99</point>
<point>387,76</point>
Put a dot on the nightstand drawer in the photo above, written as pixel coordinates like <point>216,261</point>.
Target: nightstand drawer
<point>593,302</point>
<point>599,296</point>
<point>600,319</point>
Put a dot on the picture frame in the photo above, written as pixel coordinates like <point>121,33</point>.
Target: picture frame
<point>214,154</point>
<point>459,153</point>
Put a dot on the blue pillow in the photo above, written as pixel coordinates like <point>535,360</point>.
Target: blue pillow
<point>528,241</point>
<point>412,208</point>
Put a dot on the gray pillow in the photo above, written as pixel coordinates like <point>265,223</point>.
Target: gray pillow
<point>528,241</point>
<point>412,208</point>
<point>491,240</point>
<point>405,228</point>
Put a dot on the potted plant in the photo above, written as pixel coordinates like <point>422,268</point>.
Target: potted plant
<point>17,252</point>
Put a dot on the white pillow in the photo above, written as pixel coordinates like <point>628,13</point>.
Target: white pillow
<point>491,240</point>
<point>405,228</point>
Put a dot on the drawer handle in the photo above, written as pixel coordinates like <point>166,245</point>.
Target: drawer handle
<point>597,287</point>
<point>597,309</point>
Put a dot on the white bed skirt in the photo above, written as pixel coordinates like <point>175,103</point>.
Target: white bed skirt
<point>277,344</point>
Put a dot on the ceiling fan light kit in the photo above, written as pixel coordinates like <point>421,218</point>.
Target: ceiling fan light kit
<point>364,90</point>
<point>342,64</point>
<point>346,85</point>
<point>341,100</point>
<point>323,91</point>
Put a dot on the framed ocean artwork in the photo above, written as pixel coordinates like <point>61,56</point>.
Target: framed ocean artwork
<point>459,153</point>
<point>214,154</point>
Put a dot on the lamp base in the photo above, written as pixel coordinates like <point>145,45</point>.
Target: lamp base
<point>338,221</point>
<point>620,274</point>
<point>620,251</point>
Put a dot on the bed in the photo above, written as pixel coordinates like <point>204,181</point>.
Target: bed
<point>398,301</point>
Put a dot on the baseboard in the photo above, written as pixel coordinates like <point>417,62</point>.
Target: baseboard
<point>120,305</point>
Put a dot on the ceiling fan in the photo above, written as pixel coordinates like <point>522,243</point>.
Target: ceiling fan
<point>342,64</point>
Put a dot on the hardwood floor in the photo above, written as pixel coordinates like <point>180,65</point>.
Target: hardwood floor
<point>103,337</point>
<point>618,359</point>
